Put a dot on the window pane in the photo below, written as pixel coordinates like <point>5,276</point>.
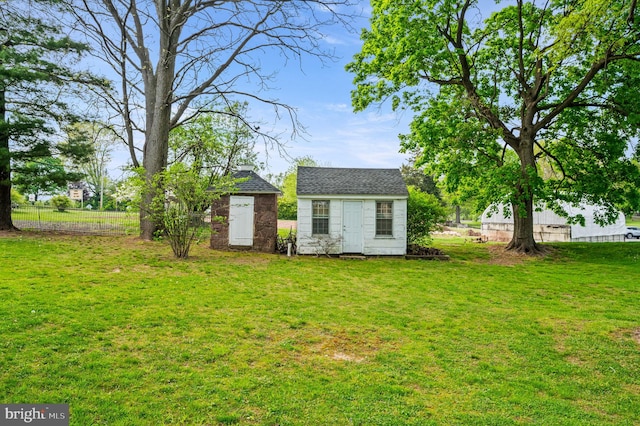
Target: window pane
<point>383,227</point>
<point>320,217</point>
<point>320,226</point>
<point>320,208</point>
<point>384,218</point>
<point>384,209</point>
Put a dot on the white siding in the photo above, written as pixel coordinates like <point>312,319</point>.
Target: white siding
<point>385,245</point>
<point>388,245</point>
<point>549,227</point>
<point>314,244</point>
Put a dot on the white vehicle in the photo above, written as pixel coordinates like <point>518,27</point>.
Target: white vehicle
<point>632,232</point>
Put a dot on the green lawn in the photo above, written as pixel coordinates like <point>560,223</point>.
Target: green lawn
<point>49,214</point>
<point>633,221</point>
<point>76,220</point>
<point>126,335</point>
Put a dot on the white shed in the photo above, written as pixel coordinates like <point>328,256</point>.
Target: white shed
<point>550,227</point>
<point>351,211</point>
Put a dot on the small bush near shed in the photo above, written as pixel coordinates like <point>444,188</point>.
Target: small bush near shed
<point>424,214</point>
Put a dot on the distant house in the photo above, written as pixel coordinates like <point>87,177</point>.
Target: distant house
<point>346,210</point>
<point>250,215</point>
<point>550,227</point>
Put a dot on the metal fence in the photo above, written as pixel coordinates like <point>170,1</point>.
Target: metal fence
<point>44,218</point>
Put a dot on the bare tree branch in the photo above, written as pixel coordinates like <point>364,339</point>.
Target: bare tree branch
<point>173,56</point>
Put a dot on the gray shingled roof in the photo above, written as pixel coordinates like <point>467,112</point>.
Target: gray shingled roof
<point>254,184</point>
<point>341,181</point>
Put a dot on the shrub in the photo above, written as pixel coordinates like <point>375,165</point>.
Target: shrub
<point>61,202</point>
<point>287,209</point>
<point>17,198</point>
<point>424,213</point>
<point>178,205</point>
<point>182,227</point>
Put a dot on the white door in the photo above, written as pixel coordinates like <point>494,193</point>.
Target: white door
<point>240,221</point>
<point>352,227</point>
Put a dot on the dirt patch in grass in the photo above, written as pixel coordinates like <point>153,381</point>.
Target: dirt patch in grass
<point>33,234</point>
<point>632,389</point>
<point>245,258</point>
<point>626,333</point>
<point>339,356</point>
<point>500,256</point>
<point>338,345</point>
<point>348,347</point>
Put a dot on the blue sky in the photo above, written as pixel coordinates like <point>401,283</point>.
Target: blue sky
<point>336,136</point>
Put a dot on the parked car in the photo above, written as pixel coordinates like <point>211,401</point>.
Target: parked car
<point>632,232</point>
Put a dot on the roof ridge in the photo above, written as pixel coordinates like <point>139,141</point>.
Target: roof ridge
<point>350,181</point>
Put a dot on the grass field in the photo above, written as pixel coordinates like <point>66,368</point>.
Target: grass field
<point>76,220</point>
<point>126,335</point>
<point>635,221</point>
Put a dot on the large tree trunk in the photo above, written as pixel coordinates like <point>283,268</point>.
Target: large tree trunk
<point>158,94</point>
<point>154,162</point>
<point>6,224</point>
<point>522,240</point>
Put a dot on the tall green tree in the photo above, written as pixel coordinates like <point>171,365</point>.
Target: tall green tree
<point>44,176</point>
<point>288,183</point>
<point>214,144</point>
<point>100,139</point>
<point>420,179</point>
<point>498,94</point>
<point>34,83</point>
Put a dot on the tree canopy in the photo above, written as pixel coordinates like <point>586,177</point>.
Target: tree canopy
<point>45,176</point>
<point>214,144</point>
<point>288,183</point>
<point>35,85</point>
<point>416,177</point>
<point>101,139</point>
<point>533,102</point>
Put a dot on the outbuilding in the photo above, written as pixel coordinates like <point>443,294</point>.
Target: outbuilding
<point>550,227</point>
<point>247,218</point>
<point>351,211</point>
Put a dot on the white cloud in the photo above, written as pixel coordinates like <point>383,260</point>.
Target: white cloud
<point>329,39</point>
<point>340,107</point>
